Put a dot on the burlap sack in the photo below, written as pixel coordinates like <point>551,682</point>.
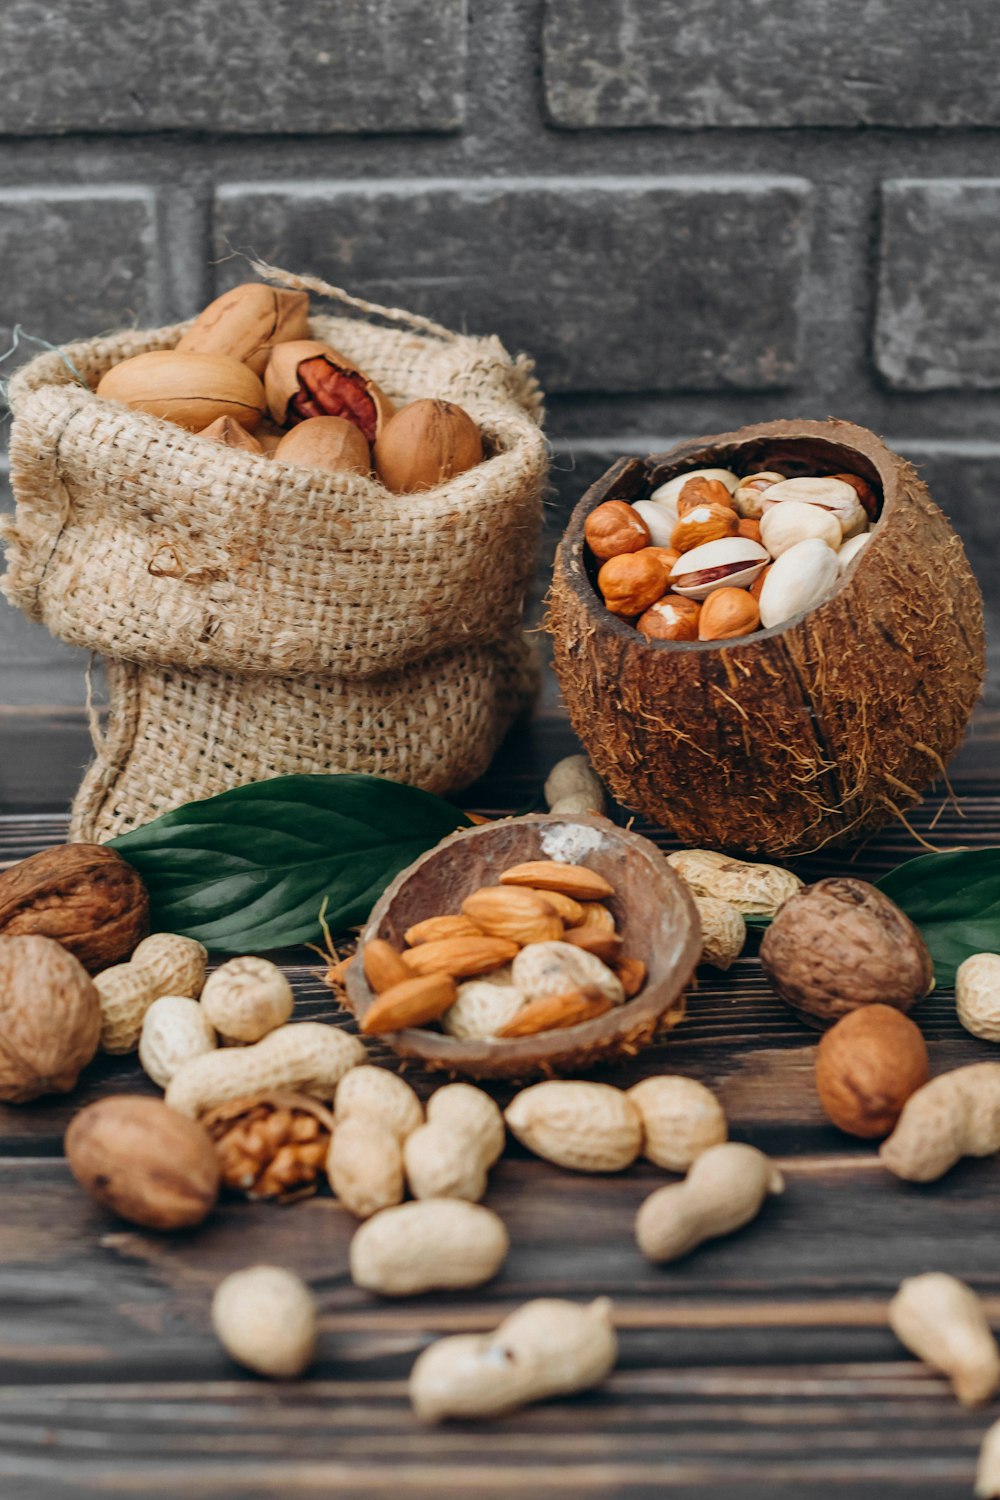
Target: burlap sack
<point>259,619</point>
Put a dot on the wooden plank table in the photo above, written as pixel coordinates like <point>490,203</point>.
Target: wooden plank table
<point>761,1365</point>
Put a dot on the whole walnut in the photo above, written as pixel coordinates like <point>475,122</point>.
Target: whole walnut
<point>144,1161</point>
<point>50,1018</point>
<point>85,896</point>
<point>840,944</point>
<point>867,1066</point>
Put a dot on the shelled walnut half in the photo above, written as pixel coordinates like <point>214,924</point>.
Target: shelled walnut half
<point>272,1145</point>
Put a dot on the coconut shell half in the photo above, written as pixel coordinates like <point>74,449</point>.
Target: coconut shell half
<point>814,732</point>
<point>653,912</point>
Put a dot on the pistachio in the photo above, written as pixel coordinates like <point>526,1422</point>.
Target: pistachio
<point>794,521</point>
<point>836,496</point>
<point>659,521</point>
<point>748,501</point>
<point>732,561</point>
<point>851,548</point>
<point>800,579</point>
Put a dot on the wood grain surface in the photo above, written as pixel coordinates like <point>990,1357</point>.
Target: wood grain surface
<point>762,1365</point>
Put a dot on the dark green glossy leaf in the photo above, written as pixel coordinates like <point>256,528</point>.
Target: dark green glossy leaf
<point>955,901</point>
<point>250,869</point>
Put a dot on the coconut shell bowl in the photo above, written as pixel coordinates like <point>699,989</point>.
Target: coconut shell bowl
<point>653,913</point>
<point>814,732</point>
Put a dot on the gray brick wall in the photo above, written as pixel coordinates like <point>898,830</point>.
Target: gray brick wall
<point>693,215</point>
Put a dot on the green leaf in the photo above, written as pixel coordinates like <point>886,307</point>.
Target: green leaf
<point>249,869</point>
<point>955,901</point>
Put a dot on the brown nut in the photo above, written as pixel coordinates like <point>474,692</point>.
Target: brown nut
<point>307,378</point>
<point>330,443</point>
<point>84,895</point>
<point>50,1018</point>
<point>867,1066</point>
<point>193,390</point>
<point>510,911</point>
<point>749,529</point>
<point>414,1002</point>
<point>228,433</point>
<point>670,619</point>
<point>614,528</point>
<point>704,523</point>
<point>383,965</point>
<point>630,583</point>
<point>701,491</point>
<point>841,944</point>
<point>247,322</point>
<point>144,1161</point>
<point>727,613</point>
<point>425,444</point>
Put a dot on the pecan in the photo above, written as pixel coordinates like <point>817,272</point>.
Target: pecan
<point>272,1145</point>
<point>325,391</point>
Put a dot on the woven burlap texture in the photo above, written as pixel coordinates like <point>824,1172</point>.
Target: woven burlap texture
<point>173,736</point>
<point>135,538</point>
<point>258,619</point>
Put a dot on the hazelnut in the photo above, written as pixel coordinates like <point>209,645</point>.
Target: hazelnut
<point>704,523</point>
<point>841,944</point>
<point>701,491</point>
<point>614,528</point>
<point>633,581</point>
<point>727,613</point>
<point>667,495</point>
<point>670,619</point>
<point>867,1066</point>
<point>749,529</point>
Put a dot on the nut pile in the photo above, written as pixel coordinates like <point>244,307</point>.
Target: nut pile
<point>711,556</point>
<point>540,951</point>
<point>248,375</point>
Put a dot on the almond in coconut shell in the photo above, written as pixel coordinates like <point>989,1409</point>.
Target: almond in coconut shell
<point>814,731</point>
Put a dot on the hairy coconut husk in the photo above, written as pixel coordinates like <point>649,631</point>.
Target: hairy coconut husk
<point>814,732</point>
<point>654,914</point>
